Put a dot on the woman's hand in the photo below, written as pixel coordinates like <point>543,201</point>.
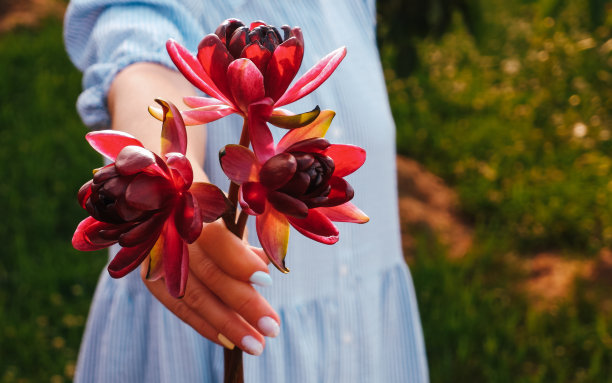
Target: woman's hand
<point>220,303</point>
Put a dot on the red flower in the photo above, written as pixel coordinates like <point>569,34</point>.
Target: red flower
<point>239,66</point>
<point>299,183</point>
<point>146,203</point>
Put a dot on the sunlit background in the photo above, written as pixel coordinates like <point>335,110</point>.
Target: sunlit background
<point>504,117</point>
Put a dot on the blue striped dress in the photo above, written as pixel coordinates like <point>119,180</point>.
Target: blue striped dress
<point>348,311</point>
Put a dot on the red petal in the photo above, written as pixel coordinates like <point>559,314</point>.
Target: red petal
<point>288,205</point>
<point>311,145</point>
<point>316,129</point>
<point>273,233</point>
<point>188,218</point>
<point>105,173</point>
<point>259,55</point>
<point>181,169</point>
<point>215,58</point>
<point>316,226</point>
<point>243,205</point>
<point>227,28</point>
<point>239,163</point>
<point>127,212</point>
<point>313,78</point>
<point>110,142</point>
<point>254,196</point>
<point>112,233</point>
<point>246,83</point>
<point>295,120</point>
<point>347,212</point>
<point>347,158</point>
<point>277,171</point>
<point>193,71</point>
<point>196,102</point>
<point>174,135</point>
<point>143,231</point>
<point>211,201</point>
<point>341,192</point>
<point>259,133</point>
<point>84,193</point>
<point>199,116</point>
<point>176,260</point>
<point>128,258</point>
<point>256,24</point>
<point>283,66</point>
<point>238,41</point>
<point>297,33</point>
<point>134,159</point>
<point>149,193</point>
<point>88,225</point>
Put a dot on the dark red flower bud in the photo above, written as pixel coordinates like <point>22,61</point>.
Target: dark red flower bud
<point>227,28</point>
<point>236,36</point>
<point>111,199</point>
<point>301,180</point>
<point>310,183</point>
<point>146,203</point>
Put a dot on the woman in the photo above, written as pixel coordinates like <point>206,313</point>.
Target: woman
<point>346,313</point>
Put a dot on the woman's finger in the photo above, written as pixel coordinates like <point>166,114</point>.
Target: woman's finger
<point>238,295</point>
<point>232,255</point>
<point>225,320</point>
<point>180,309</point>
<point>260,253</point>
<point>206,314</point>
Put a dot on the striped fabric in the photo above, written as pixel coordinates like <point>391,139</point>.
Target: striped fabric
<point>348,311</point>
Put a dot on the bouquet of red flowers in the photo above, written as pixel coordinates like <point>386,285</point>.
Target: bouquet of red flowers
<point>148,202</point>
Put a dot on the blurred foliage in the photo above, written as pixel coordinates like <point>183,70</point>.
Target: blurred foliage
<point>45,285</point>
<point>401,24</point>
<point>479,327</point>
<point>517,119</point>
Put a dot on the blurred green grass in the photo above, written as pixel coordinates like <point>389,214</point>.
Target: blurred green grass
<point>45,285</point>
<point>516,118</point>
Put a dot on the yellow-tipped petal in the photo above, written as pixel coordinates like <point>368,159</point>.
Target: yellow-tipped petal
<point>315,129</point>
<point>156,112</point>
<point>156,269</point>
<point>273,233</point>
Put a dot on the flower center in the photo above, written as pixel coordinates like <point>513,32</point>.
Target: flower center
<point>310,181</point>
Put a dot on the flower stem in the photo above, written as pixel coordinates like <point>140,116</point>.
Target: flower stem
<point>233,370</point>
<point>241,222</point>
<point>232,194</point>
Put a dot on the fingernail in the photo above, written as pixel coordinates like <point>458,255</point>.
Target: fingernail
<point>225,342</point>
<point>252,346</point>
<point>261,278</point>
<point>268,326</point>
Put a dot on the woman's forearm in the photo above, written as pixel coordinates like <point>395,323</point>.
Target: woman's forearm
<point>134,89</point>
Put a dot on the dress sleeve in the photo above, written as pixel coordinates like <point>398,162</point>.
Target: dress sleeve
<point>103,37</point>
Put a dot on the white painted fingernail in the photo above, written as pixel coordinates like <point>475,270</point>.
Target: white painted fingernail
<point>268,326</point>
<point>225,342</point>
<point>261,278</point>
<point>252,346</point>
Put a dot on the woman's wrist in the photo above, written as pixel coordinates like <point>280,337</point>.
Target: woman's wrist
<point>134,89</point>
